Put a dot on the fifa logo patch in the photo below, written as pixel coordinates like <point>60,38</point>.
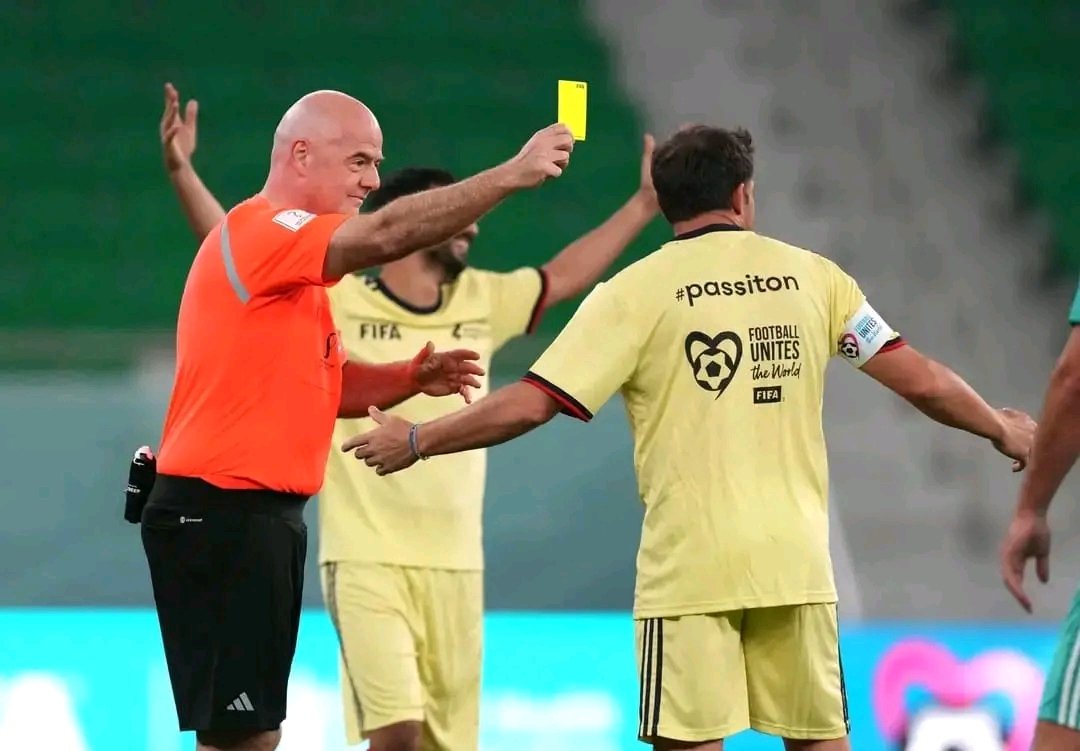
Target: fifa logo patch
<point>768,394</point>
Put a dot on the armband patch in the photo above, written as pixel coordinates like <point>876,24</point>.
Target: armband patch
<point>863,336</point>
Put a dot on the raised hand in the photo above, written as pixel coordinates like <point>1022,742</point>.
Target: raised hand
<point>178,134</point>
<point>543,156</point>
<point>646,189</point>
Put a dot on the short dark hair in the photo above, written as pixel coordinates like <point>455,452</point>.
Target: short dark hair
<point>698,169</point>
<point>405,182</point>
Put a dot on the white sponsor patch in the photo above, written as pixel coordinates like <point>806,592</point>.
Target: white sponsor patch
<point>293,219</point>
<point>863,336</point>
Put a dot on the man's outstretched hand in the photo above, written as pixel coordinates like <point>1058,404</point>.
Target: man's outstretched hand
<point>1017,438</point>
<point>178,133</point>
<point>386,447</point>
<point>446,373</point>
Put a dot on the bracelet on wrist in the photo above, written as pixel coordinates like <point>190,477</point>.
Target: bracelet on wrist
<point>414,444</point>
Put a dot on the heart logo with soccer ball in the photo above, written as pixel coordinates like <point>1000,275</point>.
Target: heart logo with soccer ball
<point>958,690</point>
<point>714,359</point>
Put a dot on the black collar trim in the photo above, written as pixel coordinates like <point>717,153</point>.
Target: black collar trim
<point>708,228</point>
<point>417,309</point>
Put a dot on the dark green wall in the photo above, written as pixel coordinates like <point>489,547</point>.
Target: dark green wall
<point>94,239</point>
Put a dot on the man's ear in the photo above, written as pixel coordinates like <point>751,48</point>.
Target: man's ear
<point>740,198</point>
<point>301,154</point>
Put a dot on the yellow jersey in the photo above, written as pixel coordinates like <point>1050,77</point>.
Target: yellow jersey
<point>430,516</point>
<point>718,343</point>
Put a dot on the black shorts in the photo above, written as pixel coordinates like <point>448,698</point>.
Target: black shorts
<point>227,567</point>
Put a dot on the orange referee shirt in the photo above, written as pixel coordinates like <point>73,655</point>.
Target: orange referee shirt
<point>258,359</point>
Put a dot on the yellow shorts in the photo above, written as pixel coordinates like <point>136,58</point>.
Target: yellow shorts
<point>411,641</point>
<point>776,670</point>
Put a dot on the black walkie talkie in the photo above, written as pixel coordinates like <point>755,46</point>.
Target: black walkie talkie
<point>141,478</point>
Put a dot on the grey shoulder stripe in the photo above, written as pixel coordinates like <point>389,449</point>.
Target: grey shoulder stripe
<point>230,264</point>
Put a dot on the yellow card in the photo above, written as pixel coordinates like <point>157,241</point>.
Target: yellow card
<point>572,98</point>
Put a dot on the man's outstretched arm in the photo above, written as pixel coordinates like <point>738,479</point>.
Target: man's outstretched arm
<point>501,416</point>
<point>510,412</point>
<point>943,396</point>
<point>402,227</point>
<point>179,135</point>
<point>514,410</point>
<point>384,385</point>
<point>427,218</point>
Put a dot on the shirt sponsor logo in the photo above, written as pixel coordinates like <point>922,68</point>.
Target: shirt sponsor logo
<point>867,327</point>
<point>333,345</point>
<point>333,353</point>
<point>379,330</point>
<point>751,285</point>
<point>293,219</point>
<point>768,394</point>
<point>849,346</point>
<point>714,360</point>
<point>775,351</point>
<point>467,331</point>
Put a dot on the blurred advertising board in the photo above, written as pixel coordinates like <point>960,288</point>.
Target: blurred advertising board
<point>91,680</point>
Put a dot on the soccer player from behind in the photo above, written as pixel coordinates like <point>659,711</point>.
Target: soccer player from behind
<point>718,343</point>
<point>1057,444</point>
<point>402,556</point>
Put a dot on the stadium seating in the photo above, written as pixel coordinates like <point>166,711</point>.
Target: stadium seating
<point>1026,53</point>
<point>99,242</point>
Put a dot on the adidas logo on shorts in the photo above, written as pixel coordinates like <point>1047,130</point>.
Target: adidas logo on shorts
<point>241,704</point>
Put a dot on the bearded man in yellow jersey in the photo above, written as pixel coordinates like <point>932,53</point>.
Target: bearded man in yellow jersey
<point>402,557</point>
<point>718,343</point>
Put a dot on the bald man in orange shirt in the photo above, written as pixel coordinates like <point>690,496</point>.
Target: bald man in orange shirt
<point>261,376</point>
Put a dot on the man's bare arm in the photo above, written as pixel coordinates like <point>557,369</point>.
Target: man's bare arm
<point>179,135</point>
<point>395,444</point>
<point>943,396</point>
<point>365,385</point>
<point>580,264</point>
<point>1057,444</point>
<point>424,219</point>
<point>1057,440</point>
<point>385,385</point>
<point>504,415</point>
<point>202,210</point>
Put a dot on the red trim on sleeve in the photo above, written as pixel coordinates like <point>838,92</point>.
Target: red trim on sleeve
<point>541,303</point>
<point>568,404</point>
<point>892,344</point>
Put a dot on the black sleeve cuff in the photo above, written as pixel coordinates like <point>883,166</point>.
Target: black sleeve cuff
<point>568,405</point>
